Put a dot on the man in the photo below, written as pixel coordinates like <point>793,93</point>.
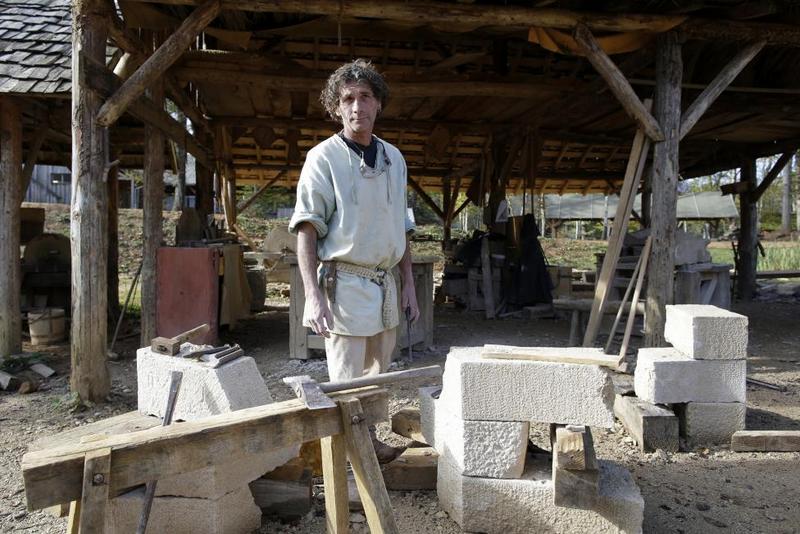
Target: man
<point>351,215</point>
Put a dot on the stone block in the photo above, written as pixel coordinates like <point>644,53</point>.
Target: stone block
<point>710,423</point>
<point>690,248</point>
<point>667,376</point>
<point>524,505</point>
<point>494,449</point>
<point>204,390</point>
<point>215,481</point>
<point>706,332</point>
<point>427,413</point>
<point>477,389</point>
<point>233,513</point>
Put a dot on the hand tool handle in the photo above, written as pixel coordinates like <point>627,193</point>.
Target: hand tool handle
<point>432,371</point>
<point>197,330</point>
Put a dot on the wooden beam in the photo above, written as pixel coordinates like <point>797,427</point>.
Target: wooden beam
<point>94,495</point>
<point>425,197</point>
<point>617,83</point>
<point>247,203</point>
<point>130,42</point>
<point>157,64</point>
<point>766,441</point>
<point>664,184</point>
<point>729,73</point>
<point>575,355</point>
<point>748,236</point>
<point>55,475</point>
<point>11,196</point>
<point>474,16</point>
<point>652,427</point>
<point>105,82</point>
<point>334,471</point>
<point>773,173</point>
<point>89,377</point>
<point>33,155</point>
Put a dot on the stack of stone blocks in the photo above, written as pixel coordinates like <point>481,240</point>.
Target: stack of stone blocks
<point>703,375</point>
<point>488,479</point>
<point>215,499</point>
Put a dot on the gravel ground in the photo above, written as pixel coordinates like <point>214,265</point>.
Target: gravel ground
<point>703,491</point>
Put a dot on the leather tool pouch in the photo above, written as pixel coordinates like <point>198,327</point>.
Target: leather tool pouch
<point>329,279</point>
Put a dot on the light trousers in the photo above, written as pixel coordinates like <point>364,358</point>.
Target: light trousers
<point>357,356</point>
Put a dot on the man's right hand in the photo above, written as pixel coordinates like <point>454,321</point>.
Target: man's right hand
<point>321,319</point>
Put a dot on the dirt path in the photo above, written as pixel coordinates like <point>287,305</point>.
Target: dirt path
<point>702,491</point>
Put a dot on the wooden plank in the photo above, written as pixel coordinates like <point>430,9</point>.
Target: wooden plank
<point>54,476</point>
<point>334,472</point>
<point>154,68</point>
<point>664,186</point>
<point>728,73</point>
<point>651,426</point>
<point>89,376</point>
<point>367,471</point>
<point>415,469</point>
<point>618,316</point>
<point>630,185</point>
<point>773,173</point>
<point>573,448</point>
<point>298,334</point>
<point>94,497</point>
<point>766,441</point>
<point>623,348</point>
<point>576,355</point>
<point>486,274</point>
<point>616,81</point>
<point>74,517</point>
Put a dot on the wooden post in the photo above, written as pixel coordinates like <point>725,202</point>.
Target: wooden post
<point>367,471</point>
<point>153,204</point>
<point>334,470</point>
<point>664,184</point>
<point>748,235</point>
<point>10,200</point>
<point>94,498</point>
<point>113,242</point>
<point>89,216</point>
<point>205,182</point>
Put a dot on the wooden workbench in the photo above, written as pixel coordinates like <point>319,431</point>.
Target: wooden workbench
<point>301,339</point>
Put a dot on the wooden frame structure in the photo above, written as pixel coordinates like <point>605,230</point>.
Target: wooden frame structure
<point>90,471</point>
<point>486,97</point>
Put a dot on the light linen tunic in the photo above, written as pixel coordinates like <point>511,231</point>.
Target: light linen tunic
<point>358,220</point>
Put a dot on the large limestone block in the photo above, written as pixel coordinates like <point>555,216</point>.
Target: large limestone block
<point>204,390</point>
<point>525,505</point>
<point>215,481</point>
<point>233,513</point>
<point>710,423</point>
<point>667,376</point>
<point>706,332</point>
<point>494,449</point>
<point>690,248</point>
<point>509,390</point>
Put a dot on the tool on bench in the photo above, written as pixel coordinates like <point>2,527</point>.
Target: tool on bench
<point>172,345</point>
<point>218,358</point>
<point>408,333</point>
<point>197,354</point>
<point>314,395</point>
<point>150,490</point>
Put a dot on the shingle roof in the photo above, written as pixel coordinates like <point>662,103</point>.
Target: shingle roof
<point>35,44</point>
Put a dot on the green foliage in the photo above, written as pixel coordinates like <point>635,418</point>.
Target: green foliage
<point>778,256</point>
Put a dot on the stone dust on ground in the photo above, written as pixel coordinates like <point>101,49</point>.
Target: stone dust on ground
<point>703,491</point>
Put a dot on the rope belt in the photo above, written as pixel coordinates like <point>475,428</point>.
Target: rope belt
<point>383,277</point>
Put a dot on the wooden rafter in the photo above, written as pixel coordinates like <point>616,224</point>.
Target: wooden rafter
<point>247,203</point>
<point>617,83</point>
<point>426,198</point>
<point>773,173</point>
<point>717,86</point>
<point>157,64</point>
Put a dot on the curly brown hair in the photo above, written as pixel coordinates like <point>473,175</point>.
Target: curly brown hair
<point>359,70</point>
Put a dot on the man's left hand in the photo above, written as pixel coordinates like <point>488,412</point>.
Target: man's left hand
<point>408,301</point>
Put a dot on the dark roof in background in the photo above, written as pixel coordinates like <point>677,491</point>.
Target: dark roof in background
<point>35,45</point>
